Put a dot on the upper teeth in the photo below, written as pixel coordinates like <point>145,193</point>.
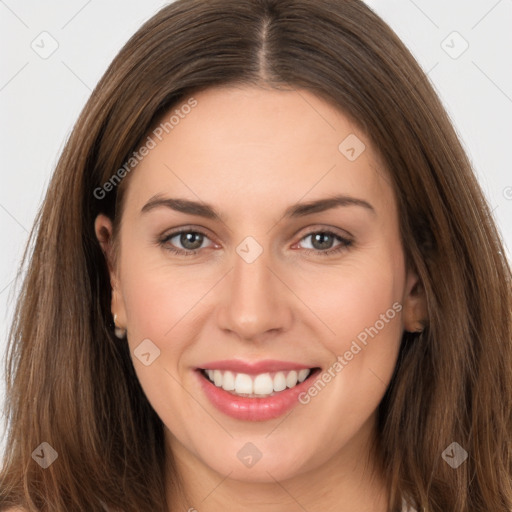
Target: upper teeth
<point>261,384</point>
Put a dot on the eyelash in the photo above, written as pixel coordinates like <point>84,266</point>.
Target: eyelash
<point>344,245</point>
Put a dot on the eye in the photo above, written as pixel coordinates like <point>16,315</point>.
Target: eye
<point>322,243</point>
<point>190,240</point>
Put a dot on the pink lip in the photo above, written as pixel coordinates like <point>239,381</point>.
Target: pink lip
<point>253,409</point>
<point>255,367</point>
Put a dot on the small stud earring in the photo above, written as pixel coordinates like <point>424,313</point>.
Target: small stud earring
<point>119,332</point>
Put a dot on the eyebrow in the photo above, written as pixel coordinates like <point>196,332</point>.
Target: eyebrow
<point>295,211</point>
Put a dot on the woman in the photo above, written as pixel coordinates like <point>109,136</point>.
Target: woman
<point>264,278</point>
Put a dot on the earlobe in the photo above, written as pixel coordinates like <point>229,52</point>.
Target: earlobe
<point>415,314</point>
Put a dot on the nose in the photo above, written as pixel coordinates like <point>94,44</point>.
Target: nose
<point>256,303</point>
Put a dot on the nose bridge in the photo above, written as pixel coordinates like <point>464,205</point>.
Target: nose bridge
<point>254,302</point>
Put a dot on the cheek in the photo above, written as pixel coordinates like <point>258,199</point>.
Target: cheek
<point>159,300</point>
<point>362,308</point>
<point>355,295</point>
<point>361,305</point>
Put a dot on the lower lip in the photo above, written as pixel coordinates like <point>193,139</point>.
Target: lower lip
<point>254,409</point>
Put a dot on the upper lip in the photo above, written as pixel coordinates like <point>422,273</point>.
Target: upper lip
<point>254,367</point>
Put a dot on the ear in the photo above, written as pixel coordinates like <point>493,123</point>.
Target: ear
<point>414,304</point>
<point>104,233</point>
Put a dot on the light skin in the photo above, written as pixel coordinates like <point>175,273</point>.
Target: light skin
<point>251,153</point>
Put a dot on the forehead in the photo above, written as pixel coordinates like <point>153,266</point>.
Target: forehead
<point>257,145</point>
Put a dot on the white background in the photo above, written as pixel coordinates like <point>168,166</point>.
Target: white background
<point>40,99</point>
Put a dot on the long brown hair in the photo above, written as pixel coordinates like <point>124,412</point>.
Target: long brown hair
<point>71,383</point>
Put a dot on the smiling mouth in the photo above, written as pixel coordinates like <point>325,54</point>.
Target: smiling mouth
<point>260,385</point>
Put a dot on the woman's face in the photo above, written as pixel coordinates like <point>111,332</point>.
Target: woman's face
<point>299,274</point>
